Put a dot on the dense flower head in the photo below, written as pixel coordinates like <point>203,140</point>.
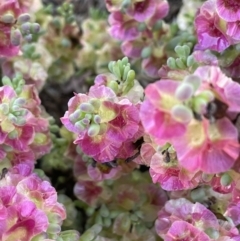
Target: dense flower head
<point>107,125</point>
<point>14,24</point>
<point>217,25</point>
<point>182,220</point>
<point>199,110</point>
<point>139,25</point>
<point>29,205</point>
<point>24,132</point>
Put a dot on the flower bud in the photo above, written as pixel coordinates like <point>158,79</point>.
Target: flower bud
<point>184,91</point>
<point>54,228</point>
<point>182,113</point>
<point>104,212</point>
<point>95,103</point>
<point>158,25</point>
<point>97,119</point>
<point>225,179</point>
<point>116,70</point>
<point>194,80</point>
<point>199,105</point>
<point>180,63</point>
<point>130,76</point>
<point>23,18</point>
<point>93,130</point>
<point>86,107</point>
<point>146,52</point>
<point>7,81</point>
<point>15,37</point>
<point>171,63</point>
<point>28,37</point>
<point>190,61</point>
<point>85,121</point>
<point>75,115</point>
<point>207,95</point>
<point>25,28</point>
<point>80,125</point>
<point>35,28</point>
<point>125,61</point>
<point>13,134</point>
<point>7,18</point>
<point>4,108</point>
<point>127,68</point>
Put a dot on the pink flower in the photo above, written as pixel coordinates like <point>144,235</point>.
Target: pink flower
<point>170,175</point>
<point>180,219</point>
<point>211,148</point>
<point>123,27</point>
<point>105,125</point>
<point>26,205</point>
<point>142,10</point>
<point>155,111</point>
<point>228,10</point>
<point>225,89</point>
<point>209,34</point>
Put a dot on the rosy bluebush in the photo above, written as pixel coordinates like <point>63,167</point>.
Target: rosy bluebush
<point>24,131</point>
<point>29,206</point>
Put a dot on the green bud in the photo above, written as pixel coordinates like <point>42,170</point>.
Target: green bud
<point>158,25</point>
<point>80,125</point>
<point>104,212</point>
<point>13,134</point>
<point>225,179</point>
<point>21,121</point>
<point>181,113</point>
<point>113,85</point>
<point>35,28</point>
<point>54,228</point>
<point>130,76</point>
<point>86,107</point>
<point>199,105</point>
<point>180,63</point>
<point>15,37</point>
<point>120,66</point>
<point>146,52</point>
<point>107,222</point>
<point>116,70</point>
<point>142,27</point>
<point>171,63</point>
<point>93,130</point>
<point>25,28</point>
<point>99,220</point>
<point>23,18</point>
<point>97,119</point>
<point>194,80</point>
<point>7,81</point>
<point>12,118</point>
<point>190,61</point>
<point>207,95</point>
<point>54,128</point>
<point>110,66</point>
<point>95,103</point>
<point>198,195</point>
<point>184,91</point>
<point>125,61</point>
<point>212,233</point>
<point>4,108</point>
<point>7,18</point>
<point>125,71</point>
<point>87,236</point>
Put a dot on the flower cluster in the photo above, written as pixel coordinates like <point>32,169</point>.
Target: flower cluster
<point>14,25</point>
<point>24,131</point>
<point>107,126</point>
<point>29,207</point>
<point>217,25</point>
<point>139,25</point>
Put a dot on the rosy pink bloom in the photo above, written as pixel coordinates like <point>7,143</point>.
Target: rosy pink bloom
<point>26,203</point>
<point>182,219</point>
<point>211,148</point>
<point>225,89</point>
<point>123,27</point>
<point>88,192</point>
<point>117,122</point>
<point>228,10</point>
<point>208,32</point>
<point>6,46</point>
<point>170,175</point>
<point>142,10</point>
<point>155,112</point>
